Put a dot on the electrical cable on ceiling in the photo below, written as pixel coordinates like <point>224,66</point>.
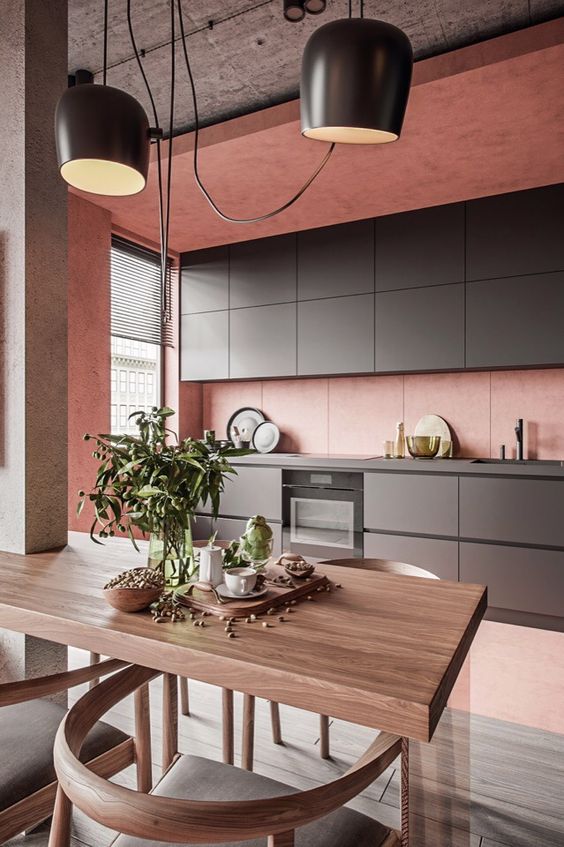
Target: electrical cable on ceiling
<point>201,186</point>
<point>105,58</point>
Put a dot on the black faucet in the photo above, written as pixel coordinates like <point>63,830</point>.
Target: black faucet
<point>519,437</point>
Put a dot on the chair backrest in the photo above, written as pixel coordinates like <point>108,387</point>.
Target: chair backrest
<point>382,565</point>
<point>44,686</point>
<point>182,820</point>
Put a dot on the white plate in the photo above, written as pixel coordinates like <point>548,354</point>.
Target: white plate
<point>266,437</point>
<point>246,420</point>
<point>435,425</point>
<point>225,594</point>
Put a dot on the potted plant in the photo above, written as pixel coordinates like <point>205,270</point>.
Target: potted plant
<point>153,484</point>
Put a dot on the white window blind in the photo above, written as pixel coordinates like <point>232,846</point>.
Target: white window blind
<point>139,311</point>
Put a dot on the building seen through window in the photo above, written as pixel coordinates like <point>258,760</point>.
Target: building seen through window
<point>135,381</point>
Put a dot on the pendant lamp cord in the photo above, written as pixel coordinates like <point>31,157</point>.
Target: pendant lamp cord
<point>350,8</point>
<point>105,63</point>
<point>199,182</point>
<point>165,304</point>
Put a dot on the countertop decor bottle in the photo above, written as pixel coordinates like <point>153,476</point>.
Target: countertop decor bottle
<point>399,446</point>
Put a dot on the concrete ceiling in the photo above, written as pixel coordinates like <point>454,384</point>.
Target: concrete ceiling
<point>250,59</point>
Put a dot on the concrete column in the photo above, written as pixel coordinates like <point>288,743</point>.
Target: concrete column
<point>33,303</point>
<point>33,280</point>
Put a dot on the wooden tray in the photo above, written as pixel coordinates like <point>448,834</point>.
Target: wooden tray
<point>277,595</point>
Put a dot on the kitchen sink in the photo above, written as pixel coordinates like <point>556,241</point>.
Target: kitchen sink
<point>554,462</point>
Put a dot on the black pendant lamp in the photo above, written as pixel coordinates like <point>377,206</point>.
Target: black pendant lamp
<point>356,75</point>
<point>102,137</point>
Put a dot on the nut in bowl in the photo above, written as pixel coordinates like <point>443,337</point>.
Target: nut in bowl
<point>295,565</point>
<point>134,590</point>
<point>423,446</point>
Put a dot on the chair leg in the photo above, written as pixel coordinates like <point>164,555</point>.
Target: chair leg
<point>170,719</point>
<point>184,696</point>
<point>405,792</point>
<point>282,839</point>
<point>143,740</point>
<point>275,722</point>
<point>324,737</point>
<point>60,833</point>
<point>248,741</point>
<point>228,730</point>
<point>94,660</point>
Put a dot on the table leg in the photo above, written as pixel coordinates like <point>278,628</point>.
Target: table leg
<point>170,719</point>
<point>405,792</point>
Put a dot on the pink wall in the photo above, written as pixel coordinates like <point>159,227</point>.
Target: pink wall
<point>89,244</point>
<point>356,414</point>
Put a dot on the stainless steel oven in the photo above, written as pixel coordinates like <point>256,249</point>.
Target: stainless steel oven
<point>322,513</point>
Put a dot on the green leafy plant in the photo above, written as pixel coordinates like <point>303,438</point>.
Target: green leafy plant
<point>233,557</point>
<point>154,483</point>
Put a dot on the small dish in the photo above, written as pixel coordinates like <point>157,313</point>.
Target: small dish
<point>265,437</point>
<point>225,594</point>
<point>295,565</point>
<point>132,599</point>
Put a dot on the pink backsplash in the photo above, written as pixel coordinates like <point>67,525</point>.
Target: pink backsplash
<point>355,415</point>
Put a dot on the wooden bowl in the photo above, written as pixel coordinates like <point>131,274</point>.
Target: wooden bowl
<point>132,599</point>
<point>301,574</point>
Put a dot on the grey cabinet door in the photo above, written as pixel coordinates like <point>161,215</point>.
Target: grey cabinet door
<point>204,281</point>
<point>517,233</point>
<point>229,528</point>
<point>436,555</point>
<point>336,335</point>
<point>515,321</point>
<point>519,578</point>
<point>423,247</point>
<point>254,491</point>
<point>204,346</point>
<point>522,511</point>
<point>336,260</point>
<point>412,503</point>
<point>263,341</point>
<point>262,271</point>
<point>420,329</point>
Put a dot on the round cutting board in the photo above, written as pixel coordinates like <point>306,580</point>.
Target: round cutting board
<point>435,425</point>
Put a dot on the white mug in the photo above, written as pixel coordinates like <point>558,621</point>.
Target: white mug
<point>240,581</point>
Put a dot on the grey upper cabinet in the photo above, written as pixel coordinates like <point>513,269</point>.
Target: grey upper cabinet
<point>518,233</point>
<point>420,329</point>
<point>204,279</point>
<point>336,335</point>
<point>336,260</point>
<point>263,271</point>
<point>419,504</point>
<point>262,341</point>
<point>515,321</point>
<point>204,352</point>
<point>423,247</point>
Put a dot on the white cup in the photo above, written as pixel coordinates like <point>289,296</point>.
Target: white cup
<point>240,581</point>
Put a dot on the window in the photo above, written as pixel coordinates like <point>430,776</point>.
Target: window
<point>113,419</point>
<point>138,331</point>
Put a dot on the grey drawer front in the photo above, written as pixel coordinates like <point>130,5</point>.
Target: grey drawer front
<point>517,578</point>
<point>336,335</point>
<point>262,272</point>
<point>204,343</point>
<point>436,555</point>
<point>262,341</point>
<point>254,491</point>
<point>425,505</point>
<point>515,321</point>
<point>522,511</point>
<point>205,281</point>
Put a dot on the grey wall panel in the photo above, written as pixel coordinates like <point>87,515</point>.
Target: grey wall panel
<point>420,329</point>
<point>204,278</point>
<point>263,341</point>
<point>204,346</point>
<point>523,511</point>
<point>423,247</point>
<point>518,578</point>
<point>336,260</point>
<point>517,233</point>
<point>396,502</point>
<point>436,555</point>
<point>263,271</point>
<point>336,335</point>
<point>254,491</point>
<point>515,321</point>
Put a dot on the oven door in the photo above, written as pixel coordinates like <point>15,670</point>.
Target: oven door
<point>322,523</point>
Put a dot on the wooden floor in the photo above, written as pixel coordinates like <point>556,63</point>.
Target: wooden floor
<point>513,794</point>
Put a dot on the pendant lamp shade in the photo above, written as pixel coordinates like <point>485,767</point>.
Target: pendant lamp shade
<point>356,75</point>
<point>103,144</point>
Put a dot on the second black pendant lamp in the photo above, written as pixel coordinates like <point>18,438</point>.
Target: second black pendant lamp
<point>356,75</point>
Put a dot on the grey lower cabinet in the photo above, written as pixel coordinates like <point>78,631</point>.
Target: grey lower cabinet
<point>515,321</point>
<point>439,556</point>
<point>518,578</point>
<point>519,511</point>
<point>254,491</point>
<point>336,260</point>
<point>262,271</point>
<point>204,352</point>
<point>420,329</point>
<point>230,528</point>
<point>262,341</point>
<point>411,503</point>
<point>336,335</point>
<point>204,281</point>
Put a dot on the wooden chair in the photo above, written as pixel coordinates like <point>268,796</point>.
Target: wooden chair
<point>28,726</point>
<point>203,802</point>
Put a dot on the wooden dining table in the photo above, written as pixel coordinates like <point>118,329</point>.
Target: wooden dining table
<point>382,651</point>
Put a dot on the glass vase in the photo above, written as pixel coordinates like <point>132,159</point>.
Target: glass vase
<point>173,558</point>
